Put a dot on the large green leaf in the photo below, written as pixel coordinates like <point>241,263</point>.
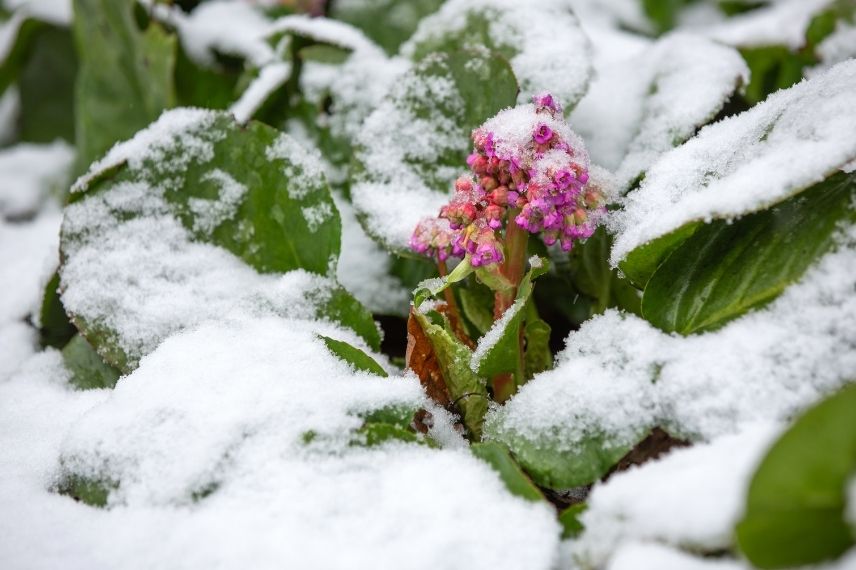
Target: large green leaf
<point>442,99</point>
<point>725,269</point>
<point>280,218</point>
<point>795,508</point>
<point>126,75</point>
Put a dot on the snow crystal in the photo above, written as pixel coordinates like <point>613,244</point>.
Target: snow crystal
<point>231,405</point>
<point>211,213</point>
<point>547,49</point>
<point>747,162</point>
<point>493,336</point>
<point>642,106</point>
<point>271,77</point>
<point>316,215</point>
<point>619,376</point>
<point>29,173</point>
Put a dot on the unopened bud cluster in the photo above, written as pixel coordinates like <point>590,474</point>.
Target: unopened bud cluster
<point>529,169</point>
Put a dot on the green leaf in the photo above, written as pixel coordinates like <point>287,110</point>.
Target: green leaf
<point>553,465</point>
<point>591,274</point>
<point>570,520</point>
<point>663,13</point>
<point>55,327</point>
<point>372,434</point>
<point>87,369</point>
<point>467,390</point>
<point>20,32</point>
<point>773,68</point>
<point>726,269</point>
<point>269,229</point>
<point>499,352</point>
<point>795,508</point>
<point>126,75</point>
<point>476,304</point>
<point>388,22</point>
<point>88,491</point>
<point>641,263</point>
<point>475,86</point>
<point>497,456</point>
<point>536,332</point>
<point>435,286</point>
<point>197,86</point>
<point>46,86</point>
<point>353,356</point>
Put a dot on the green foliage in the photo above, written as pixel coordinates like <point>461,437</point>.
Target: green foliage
<point>725,269</point>
<point>358,359</point>
<point>87,369</point>
<point>126,76</point>
<point>497,456</point>
<point>570,520</point>
<point>389,22</point>
<point>591,274</point>
<point>55,327</point>
<point>795,508</point>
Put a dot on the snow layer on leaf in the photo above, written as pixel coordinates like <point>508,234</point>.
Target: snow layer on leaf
<point>495,334</point>
<point>641,107</point>
<point>146,279</point>
<point>838,46</point>
<point>780,23</point>
<point>619,376</point>
<point>326,31</point>
<point>747,162</point>
<point>56,12</point>
<point>271,77</point>
<point>691,499</point>
<point>364,267</point>
<point>28,174</point>
<point>231,404</point>
<point>548,51</point>
<point>231,27</point>
<point>398,147</point>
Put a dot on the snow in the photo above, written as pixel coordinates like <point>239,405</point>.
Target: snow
<point>839,46</point>
<point>324,30</point>
<point>641,106</point>
<point>747,162</point>
<point>229,404</point>
<point>618,376</point>
<point>399,146</point>
<point>208,214</point>
<point>364,268</point>
<point>30,173</point>
<point>271,77</point>
<point>494,334</point>
<point>57,12</point>
<point>783,22</point>
<point>546,47</point>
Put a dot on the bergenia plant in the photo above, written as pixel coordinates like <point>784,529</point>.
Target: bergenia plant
<point>528,176</point>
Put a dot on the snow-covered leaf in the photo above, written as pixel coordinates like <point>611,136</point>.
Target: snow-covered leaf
<point>387,22</point>
<point>413,146</point>
<point>354,356</point>
<point>196,218</point>
<point>796,501</point>
<point>126,75</point>
<point>546,47</point>
<point>641,107</point>
<point>726,269</point>
<point>743,164</point>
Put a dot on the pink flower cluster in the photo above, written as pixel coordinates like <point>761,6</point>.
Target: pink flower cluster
<point>528,168</point>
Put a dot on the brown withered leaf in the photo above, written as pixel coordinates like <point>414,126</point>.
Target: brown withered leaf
<point>657,444</point>
<point>421,359</point>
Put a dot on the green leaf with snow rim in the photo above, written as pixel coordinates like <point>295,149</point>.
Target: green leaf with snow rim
<point>247,189</point>
<point>497,456</point>
<point>126,76</point>
<point>726,269</point>
<point>388,22</point>
<point>353,356</point>
<point>795,506</point>
<point>440,101</point>
<point>87,369</point>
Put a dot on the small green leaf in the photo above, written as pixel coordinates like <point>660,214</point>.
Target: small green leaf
<point>536,332</point>
<point>726,269</point>
<point>435,286</point>
<point>467,390</point>
<point>126,75</point>
<point>87,369</point>
<point>372,434</point>
<point>570,520</point>
<point>55,327</point>
<point>88,491</point>
<point>498,457</point>
<point>795,508</point>
<point>353,356</point>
